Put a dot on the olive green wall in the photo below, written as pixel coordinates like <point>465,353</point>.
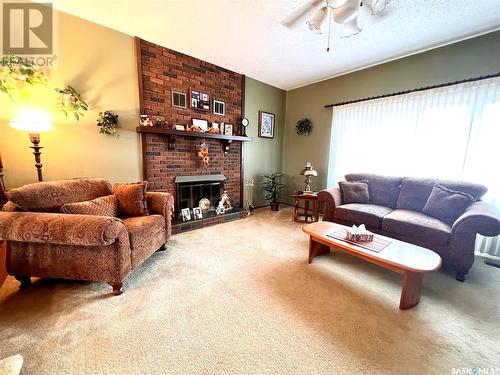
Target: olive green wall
<point>100,64</point>
<point>263,155</point>
<point>470,58</point>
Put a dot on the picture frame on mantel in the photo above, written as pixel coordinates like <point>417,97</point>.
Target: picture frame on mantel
<point>266,124</point>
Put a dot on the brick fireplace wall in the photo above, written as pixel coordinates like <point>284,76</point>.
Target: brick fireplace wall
<point>162,70</point>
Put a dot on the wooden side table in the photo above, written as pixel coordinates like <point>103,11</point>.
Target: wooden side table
<point>303,214</point>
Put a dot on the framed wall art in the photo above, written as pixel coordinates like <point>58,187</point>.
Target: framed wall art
<point>266,124</point>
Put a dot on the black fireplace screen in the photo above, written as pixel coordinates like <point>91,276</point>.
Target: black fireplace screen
<point>189,194</point>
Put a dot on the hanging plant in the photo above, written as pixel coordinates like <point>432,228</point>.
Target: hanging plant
<point>71,102</point>
<point>107,122</point>
<point>304,126</point>
<point>16,72</point>
<point>203,154</point>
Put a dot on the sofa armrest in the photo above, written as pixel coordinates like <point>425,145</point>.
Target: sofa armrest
<point>161,203</point>
<point>331,198</point>
<point>60,229</point>
<point>480,217</point>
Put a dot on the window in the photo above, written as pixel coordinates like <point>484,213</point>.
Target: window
<point>450,133</point>
<point>219,108</point>
<point>178,99</point>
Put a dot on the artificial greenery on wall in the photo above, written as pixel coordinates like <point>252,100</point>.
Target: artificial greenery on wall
<point>304,126</point>
<point>107,123</point>
<point>71,101</point>
<point>16,72</point>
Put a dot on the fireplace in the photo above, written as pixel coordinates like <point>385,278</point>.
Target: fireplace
<point>190,189</point>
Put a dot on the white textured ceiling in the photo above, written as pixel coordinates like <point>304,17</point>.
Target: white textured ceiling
<point>247,37</point>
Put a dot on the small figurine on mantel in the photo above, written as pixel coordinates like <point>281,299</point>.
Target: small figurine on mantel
<point>224,204</point>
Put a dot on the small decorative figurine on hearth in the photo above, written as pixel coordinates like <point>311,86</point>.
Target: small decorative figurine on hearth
<point>203,154</point>
<point>224,203</point>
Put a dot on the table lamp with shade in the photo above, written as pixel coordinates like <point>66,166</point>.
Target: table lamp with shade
<point>34,122</point>
<point>308,171</point>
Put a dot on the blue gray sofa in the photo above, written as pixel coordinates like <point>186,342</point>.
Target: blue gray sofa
<point>395,209</point>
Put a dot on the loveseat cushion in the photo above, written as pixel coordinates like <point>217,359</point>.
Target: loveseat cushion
<point>51,196</point>
<point>132,198</point>
<point>146,234</point>
<point>415,191</point>
<point>384,190</point>
<point>446,204</point>
<point>354,191</point>
<point>369,214</point>
<point>102,206</point>
<point>417,226</point>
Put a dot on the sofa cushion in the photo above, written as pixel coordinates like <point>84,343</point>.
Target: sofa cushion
<point>415,191</point>
<point>369,214</point>
<point>446,204</point>
<point>146,235</point>
<point>102,206</point>
<point>132,198</point>
<point>417,226</point>
<point>383,190</point>
<point>51,196</point>
<point>354,191</point>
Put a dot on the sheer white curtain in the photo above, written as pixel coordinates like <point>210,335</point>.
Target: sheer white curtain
<point>451,133</point>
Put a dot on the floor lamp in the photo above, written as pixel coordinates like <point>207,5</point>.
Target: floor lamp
<point>33,122</point>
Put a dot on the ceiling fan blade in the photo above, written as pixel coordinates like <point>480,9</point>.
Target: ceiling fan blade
<point>300,12</point>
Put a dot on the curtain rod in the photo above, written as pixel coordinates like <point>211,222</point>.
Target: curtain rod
<point>415,90</point>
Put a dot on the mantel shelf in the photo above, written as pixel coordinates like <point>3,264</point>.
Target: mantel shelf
<point>172,134</point>
<point>155,130</point>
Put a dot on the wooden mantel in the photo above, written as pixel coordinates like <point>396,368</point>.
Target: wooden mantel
<point>172,134</point>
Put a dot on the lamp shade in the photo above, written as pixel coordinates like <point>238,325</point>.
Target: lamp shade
<point>347,10</point>
<point>377,6</point>
<point>317,19</point>
<point>350,27</point>
<point>32,121</point>
<point>308,170</point>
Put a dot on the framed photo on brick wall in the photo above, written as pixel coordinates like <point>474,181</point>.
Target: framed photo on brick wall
<point>266,124</point>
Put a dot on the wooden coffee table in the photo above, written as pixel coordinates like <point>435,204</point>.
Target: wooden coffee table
<point>409,260</point>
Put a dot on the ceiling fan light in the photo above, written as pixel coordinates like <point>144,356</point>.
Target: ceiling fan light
<point>346,11</point>
<point>377,6</point>
<point>317,19</point>
<point>350,28</point>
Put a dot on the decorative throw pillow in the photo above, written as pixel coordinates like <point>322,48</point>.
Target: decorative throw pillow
<point>354,191</point>
<point>132,199</point>
<point>446,204</point>
<point>102,206</point>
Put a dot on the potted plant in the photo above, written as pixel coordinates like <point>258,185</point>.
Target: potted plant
<point>303,126</point>
<point>107,122</point>
<point>272,188</point>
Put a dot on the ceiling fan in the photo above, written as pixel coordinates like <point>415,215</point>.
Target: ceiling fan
<point>343,12</point>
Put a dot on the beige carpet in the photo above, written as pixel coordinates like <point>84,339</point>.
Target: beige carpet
<point>241,298</point>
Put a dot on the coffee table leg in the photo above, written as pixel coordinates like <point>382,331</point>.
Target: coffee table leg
<point>412,287</point>
<point>316,248</point>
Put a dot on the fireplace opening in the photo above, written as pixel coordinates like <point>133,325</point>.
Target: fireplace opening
<point>191,189</point>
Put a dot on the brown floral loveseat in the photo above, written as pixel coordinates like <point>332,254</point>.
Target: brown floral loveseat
<point>44,242</point>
